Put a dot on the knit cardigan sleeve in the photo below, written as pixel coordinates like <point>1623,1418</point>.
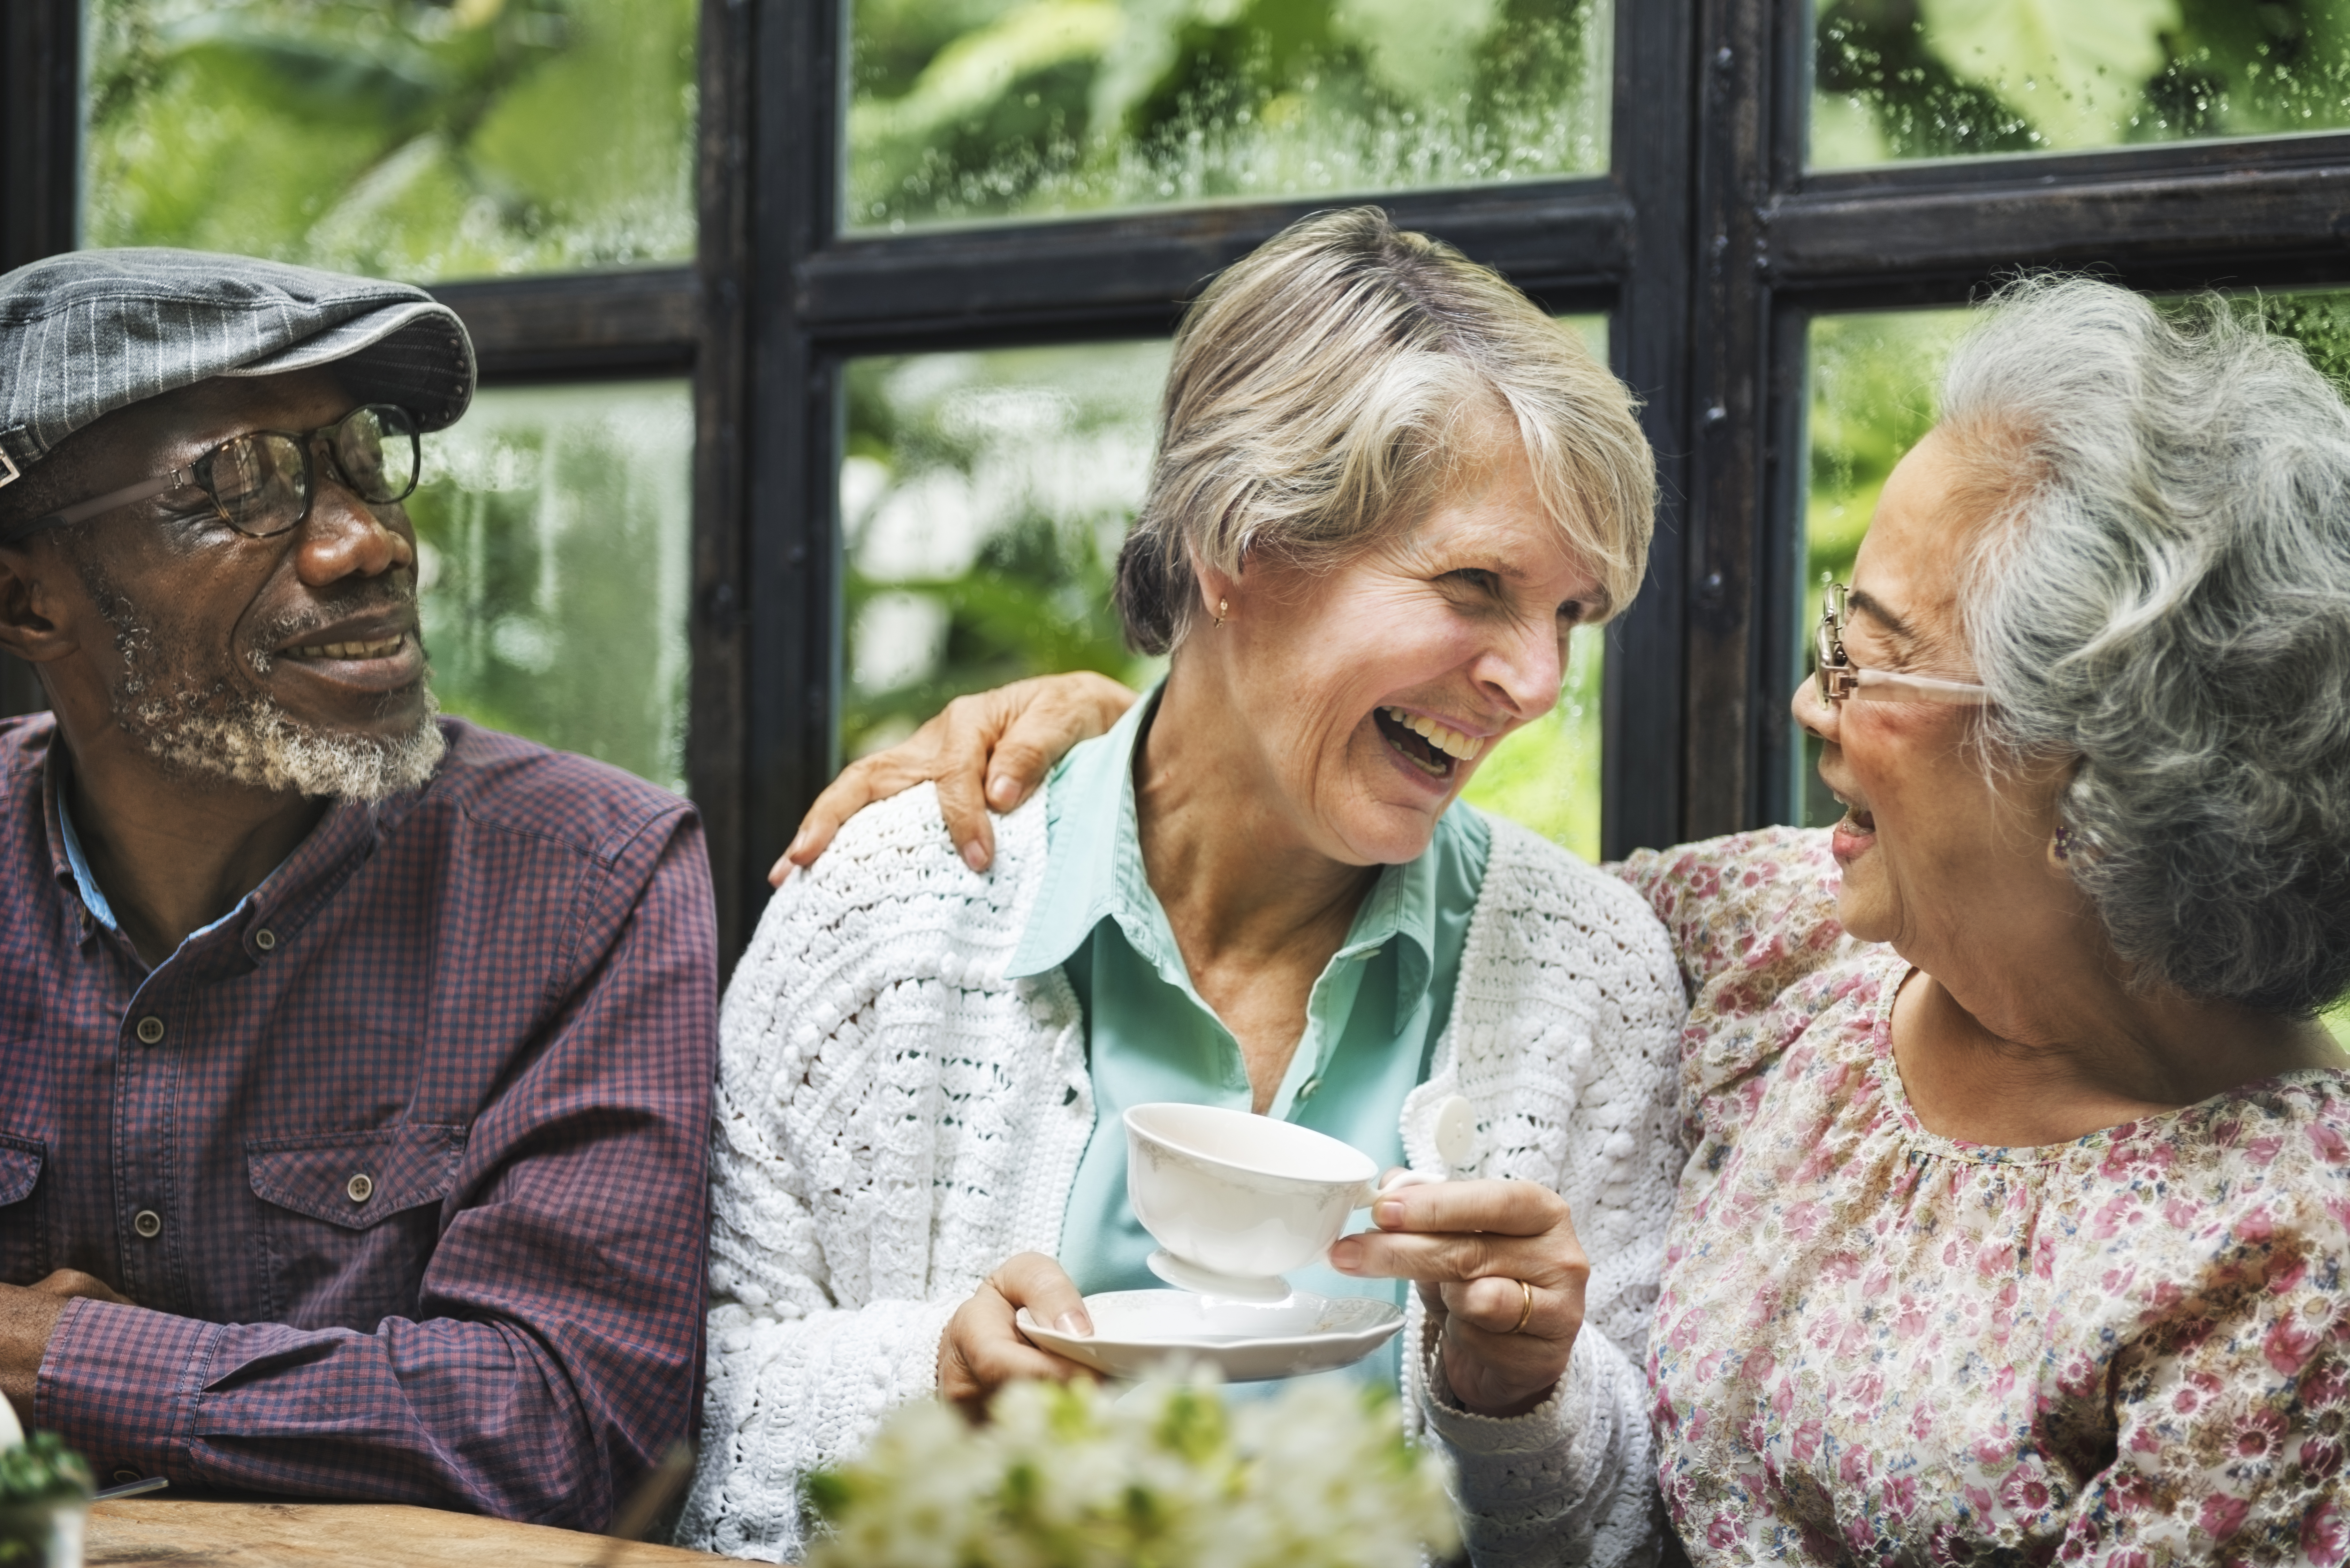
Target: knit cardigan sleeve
<point>1565,1039</point>
<point>892,1120</point>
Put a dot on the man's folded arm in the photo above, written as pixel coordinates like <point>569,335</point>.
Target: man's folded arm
<point>556,1349</point>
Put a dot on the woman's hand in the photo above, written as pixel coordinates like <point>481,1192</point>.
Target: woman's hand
<point>1012,736</point>
<point>980,1350</point>
<point>1470,1245</point>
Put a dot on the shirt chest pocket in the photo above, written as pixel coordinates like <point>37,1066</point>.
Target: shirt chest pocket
<point>24,1240</point>
<point>348,1221</point>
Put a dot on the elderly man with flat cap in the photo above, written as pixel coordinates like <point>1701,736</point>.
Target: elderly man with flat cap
<point>355,1062</point>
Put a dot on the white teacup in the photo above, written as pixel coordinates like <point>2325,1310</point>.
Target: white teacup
<point>1236,1200</point>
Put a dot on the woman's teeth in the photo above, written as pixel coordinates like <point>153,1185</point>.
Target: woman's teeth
<point>1451,742</point>
<point>383,650</point>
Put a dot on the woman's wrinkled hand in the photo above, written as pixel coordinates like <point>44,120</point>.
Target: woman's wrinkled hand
<point>1011,736</point>
<point>980,1350</point>
<point>1469,1245</point>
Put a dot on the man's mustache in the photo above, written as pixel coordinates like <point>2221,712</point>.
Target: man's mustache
<point>272,635</point>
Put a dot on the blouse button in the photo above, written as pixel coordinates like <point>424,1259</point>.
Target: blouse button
<point>150,1031</point>
<point>359,1188</point>
<point>148,1223</point>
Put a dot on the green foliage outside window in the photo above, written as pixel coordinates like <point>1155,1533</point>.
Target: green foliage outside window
<point>1945,78</point>
<point>965,109</point>
<point>554,534</point>
<point>396,137</point>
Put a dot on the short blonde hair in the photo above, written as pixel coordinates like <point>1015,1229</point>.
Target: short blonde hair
<point>1328,388</point>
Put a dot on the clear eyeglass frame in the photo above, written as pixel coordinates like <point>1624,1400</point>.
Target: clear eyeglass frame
<point>1839,678</point>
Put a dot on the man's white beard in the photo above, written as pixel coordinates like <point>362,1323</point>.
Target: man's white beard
<point>259,744</point>
<point>243,738</point>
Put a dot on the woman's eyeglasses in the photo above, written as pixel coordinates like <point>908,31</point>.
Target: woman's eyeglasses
<point>262,483</point>
<point>1839,678</point>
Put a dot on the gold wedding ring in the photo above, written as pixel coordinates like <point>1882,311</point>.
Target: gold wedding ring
<point>1526,1312</point>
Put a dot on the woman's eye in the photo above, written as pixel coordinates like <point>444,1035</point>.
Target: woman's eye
<point>1477,577</point>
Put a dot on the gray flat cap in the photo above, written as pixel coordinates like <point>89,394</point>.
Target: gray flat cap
<point>84,334</point>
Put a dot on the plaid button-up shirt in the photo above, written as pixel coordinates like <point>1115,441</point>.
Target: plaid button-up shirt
<point>402,1161</point>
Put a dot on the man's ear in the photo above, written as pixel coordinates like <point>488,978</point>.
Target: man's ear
<point>34,624</point>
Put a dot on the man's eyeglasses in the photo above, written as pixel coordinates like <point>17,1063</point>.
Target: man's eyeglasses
<point>262,483</point>
<point>1839,678</point>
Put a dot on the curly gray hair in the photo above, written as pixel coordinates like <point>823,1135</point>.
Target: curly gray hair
<point>2166,599</point>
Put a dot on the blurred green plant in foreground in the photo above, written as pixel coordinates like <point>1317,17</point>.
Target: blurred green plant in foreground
<point>1070,1476</point>
<point>967,110</point>
<point>399,138</point>
<point>1943,79</point>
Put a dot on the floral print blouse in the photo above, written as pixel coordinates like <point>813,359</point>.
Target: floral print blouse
<point>1877,1345</point>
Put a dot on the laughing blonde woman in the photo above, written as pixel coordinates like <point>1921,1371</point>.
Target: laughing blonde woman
<point>1387,488</point>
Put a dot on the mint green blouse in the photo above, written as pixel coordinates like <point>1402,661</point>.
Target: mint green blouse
<point>1371,1023</point>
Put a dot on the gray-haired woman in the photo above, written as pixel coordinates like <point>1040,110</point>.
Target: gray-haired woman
<point>1387,488</point>
<point>2018,1206</point>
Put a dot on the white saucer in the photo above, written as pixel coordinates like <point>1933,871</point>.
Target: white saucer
<point>1135,1331</point>
<point>1185,1276</point>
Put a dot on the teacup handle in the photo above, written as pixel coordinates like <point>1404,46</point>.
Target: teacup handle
<point>1395,1180</point>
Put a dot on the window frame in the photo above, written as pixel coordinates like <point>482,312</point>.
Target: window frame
<point>1707,243</point>
<point>815,297</point>
<point>1795,243</point>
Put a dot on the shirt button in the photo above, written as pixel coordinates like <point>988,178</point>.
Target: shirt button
<point>265,939</point>
<point>126,1476</point>
<point>1306,1090</point>
<point>150,1031</point>
<point>359,1188</point>
<point>148,1223</point>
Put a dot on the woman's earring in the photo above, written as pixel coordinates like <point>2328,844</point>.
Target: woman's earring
<point>1223,608</point>
<point>2064,845</point>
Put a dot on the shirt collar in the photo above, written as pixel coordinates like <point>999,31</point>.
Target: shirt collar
<point>1094,871</point>
<point>92,897</point>
<point>287,898</point>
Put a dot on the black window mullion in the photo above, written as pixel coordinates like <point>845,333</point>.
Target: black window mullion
<point>600,323</point>
<point>789,594</point>
<point>716,754</point>
<point>1653,117</point>
<point>1723,574</point>
<point>40,154</point>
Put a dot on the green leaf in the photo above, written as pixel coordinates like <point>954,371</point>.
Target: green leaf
<point>2077,68</point>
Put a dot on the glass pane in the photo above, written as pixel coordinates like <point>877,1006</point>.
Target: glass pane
<point>409,139</point>
<point>555,533</point>
<point>964,109</point>
<point>1940,78</point>
<point>1875,382</point>
<point>983,500</point>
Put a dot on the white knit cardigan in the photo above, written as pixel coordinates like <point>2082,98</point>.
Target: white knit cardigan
<point>894,1119</point>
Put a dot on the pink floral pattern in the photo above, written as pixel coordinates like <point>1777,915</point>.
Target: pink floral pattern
<point>1878,1345</point>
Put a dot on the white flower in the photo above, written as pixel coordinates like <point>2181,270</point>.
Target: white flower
<point>1066,1476</point>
